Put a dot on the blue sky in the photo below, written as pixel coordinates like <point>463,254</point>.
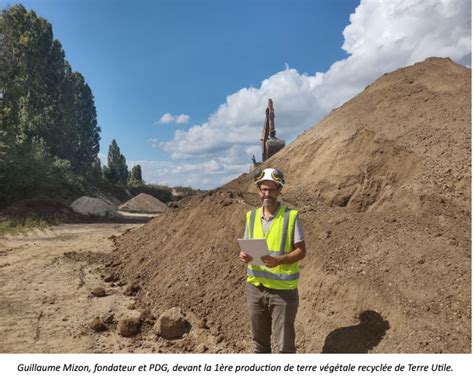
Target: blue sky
<point>206,68</point>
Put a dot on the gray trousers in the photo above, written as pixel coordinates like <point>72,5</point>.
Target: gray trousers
<point>272,311</point>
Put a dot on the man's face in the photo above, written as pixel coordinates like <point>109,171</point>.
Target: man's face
<point>268,193</point>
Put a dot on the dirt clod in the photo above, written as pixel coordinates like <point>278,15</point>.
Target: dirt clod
<point>132,290</point>
<point>147,316</point>
<point>201,348</point>
<point>97,325</point>
<point>98,292</point>
<point>112,277</point>
<point>172,324</point>
<point>129,327</point>
<point>203,324</point>
<point>109,318</point>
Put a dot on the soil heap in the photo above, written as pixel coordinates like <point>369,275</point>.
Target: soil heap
<point>92,206</point>
<point>143,203</point>
<point>45,209</point>
<point>382,185</point>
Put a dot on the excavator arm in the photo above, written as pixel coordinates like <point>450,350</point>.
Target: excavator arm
<point>270,143</point>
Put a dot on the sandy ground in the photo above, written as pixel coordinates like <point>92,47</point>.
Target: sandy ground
<point>45,284</point>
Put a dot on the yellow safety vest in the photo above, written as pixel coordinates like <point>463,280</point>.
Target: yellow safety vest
<point>279,241</point>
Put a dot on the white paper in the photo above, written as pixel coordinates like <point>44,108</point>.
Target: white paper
<point>255,248</point>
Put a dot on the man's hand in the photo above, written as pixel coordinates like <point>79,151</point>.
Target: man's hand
<point>245,258</point>
<point>270,261</point>
<point>297,254</point>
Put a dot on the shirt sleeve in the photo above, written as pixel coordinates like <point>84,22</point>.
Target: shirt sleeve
<point>245,232</point>
<point>298,235</point>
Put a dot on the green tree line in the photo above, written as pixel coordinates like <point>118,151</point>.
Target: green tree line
<point>49,136</point>
<point>116,171</point>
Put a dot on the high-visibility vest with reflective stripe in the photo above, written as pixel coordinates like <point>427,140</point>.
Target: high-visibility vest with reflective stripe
<point>279,241</point>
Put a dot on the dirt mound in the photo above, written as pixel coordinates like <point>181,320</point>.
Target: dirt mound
<point>45,209</point>
<point>383,189</point>
<point>405,137</point>
<point>92,206</point>
<point>143,203</point>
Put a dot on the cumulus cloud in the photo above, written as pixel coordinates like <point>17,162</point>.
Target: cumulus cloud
<point>182,118</point>
<point>381,37</point>
<point>204,175</point>
<point>170,118</point>
<point>167,118</point>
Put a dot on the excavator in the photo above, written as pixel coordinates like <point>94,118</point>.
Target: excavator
<point>270,143</point>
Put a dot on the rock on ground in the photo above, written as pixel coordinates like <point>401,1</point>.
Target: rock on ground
<point>129,327</point>
<point>98,292</point>
<point>97,325</point>
<point>172,324</point>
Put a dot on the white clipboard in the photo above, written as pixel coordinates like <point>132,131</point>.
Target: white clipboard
<point>255,248</point>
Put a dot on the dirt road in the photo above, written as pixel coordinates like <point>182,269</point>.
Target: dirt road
<point>46,280</point>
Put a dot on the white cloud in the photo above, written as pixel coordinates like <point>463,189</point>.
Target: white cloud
<point>381,37</point>
<point>205,175</point>
<point>167,118</point>
<point>170,118</point>
<point>182,118</point>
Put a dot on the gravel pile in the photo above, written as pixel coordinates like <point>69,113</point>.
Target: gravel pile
<point>92,206</point>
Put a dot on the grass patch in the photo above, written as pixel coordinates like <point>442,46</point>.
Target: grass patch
<point>14,225</point>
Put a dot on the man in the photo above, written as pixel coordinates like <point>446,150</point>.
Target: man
<point>272,289</point>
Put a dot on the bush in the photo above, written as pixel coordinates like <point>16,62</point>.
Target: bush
<point>29,171</point>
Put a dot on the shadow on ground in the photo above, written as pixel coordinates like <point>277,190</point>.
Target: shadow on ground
<point>358,338</point>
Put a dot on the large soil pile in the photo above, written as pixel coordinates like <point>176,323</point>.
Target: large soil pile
<point>143,203</point>
<point>383,188</point>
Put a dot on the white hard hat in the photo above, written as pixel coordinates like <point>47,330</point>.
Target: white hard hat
<point>269,174</point>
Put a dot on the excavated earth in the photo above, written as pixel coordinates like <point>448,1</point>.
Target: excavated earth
<point>143,203</point>
<point>383,186</point>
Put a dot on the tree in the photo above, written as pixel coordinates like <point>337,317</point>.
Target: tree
<point>96,171</point>
<point>28,95</point>
<point>116,171</point>
<point>43,98</point>
<point>35,172</point>
<point>3,163</point>
<point>47,112</point>
<point>136,176</point>
<point>80,122</point>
